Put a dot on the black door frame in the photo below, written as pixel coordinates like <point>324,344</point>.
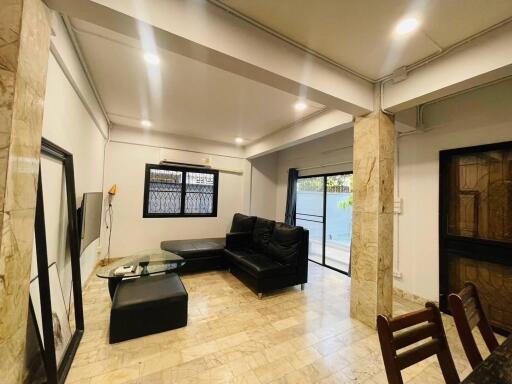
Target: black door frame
<point>450,245</point>
<point>324,219</point>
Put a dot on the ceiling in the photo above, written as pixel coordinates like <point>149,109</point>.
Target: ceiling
<point>180,95</point>
<point>359,34</point>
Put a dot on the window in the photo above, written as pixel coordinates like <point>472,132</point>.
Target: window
<point>171,191</point>
<point>324,207</point>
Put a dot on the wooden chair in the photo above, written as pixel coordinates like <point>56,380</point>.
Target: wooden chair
<point>468,313</point>
<point>424,324</point>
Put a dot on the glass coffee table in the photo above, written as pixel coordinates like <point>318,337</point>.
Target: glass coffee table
<point>140,264</point>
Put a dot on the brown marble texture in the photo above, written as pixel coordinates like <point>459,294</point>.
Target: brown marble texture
<point>24,49</point>
<point>372,231</point>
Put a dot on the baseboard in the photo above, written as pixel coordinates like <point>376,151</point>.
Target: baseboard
<point>397,292</point>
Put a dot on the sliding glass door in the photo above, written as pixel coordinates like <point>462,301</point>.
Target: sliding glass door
<point>324,207</point>
<point>310,213</point>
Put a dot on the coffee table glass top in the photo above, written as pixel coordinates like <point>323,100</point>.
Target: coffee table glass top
<point>142,264</point>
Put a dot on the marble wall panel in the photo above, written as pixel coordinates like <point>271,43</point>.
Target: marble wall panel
<point>10,22</point>
<point>24,49</point>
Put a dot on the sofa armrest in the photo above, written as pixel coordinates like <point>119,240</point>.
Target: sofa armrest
<point>302,262</point>
<point>238,240</point>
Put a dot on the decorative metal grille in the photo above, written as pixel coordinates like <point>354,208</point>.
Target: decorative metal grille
<point>199,193</point>
<point>164,191</point>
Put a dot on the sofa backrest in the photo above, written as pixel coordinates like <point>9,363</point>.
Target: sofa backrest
<point>285,243</point>
<point>242,223</point>
<point>261,234</point>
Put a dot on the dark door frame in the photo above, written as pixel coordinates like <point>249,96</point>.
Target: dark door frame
<point>453,245</point>
<point>324,219</point>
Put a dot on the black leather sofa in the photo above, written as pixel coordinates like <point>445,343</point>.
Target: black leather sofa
<point>266,255</point>
<point>263,254</point>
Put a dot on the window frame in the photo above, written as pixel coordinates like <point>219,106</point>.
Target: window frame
<point>324,219</point>
<point>184,170</point>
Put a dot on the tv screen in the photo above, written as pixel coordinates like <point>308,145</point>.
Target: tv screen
<point>90,218</point>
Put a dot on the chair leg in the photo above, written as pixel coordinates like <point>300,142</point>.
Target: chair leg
<point>302,287</point>
<point>260,295</point>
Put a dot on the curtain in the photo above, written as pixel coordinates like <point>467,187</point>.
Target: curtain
<point>291,198</point>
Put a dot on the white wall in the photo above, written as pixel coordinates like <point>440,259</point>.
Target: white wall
<point>127,155</point>
<point>263,186</point>
<point>481,117</point>
<point>77,127</point>
<point>329,154</point>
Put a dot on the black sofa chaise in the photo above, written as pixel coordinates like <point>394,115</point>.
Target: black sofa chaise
<point>263,254</point>
<point>201,254</point>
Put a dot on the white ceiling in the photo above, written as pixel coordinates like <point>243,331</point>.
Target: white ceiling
<point>359,34</point>
<point>181,95</point>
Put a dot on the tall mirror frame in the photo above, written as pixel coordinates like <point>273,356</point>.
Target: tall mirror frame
<point>57,374</point>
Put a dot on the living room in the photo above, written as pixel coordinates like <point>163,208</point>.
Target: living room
<point>253,192</point>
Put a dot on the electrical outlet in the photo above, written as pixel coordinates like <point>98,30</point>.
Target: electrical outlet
<point>397,206</point>
<point>397,275</point>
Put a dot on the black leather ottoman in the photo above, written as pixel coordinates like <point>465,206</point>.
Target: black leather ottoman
<point>148,305</point>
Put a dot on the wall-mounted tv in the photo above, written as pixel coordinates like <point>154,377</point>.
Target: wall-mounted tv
<point>89,218</point>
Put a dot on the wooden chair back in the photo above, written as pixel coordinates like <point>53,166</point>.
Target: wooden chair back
<point>423,326</point>
<point>468,313</point>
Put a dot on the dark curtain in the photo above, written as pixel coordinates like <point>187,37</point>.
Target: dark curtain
<point>291,198</point>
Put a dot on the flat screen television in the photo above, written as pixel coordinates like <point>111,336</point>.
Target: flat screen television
<point>89,218</point>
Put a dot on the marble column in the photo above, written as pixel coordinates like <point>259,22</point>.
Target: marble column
<point>372,232</point>
<point>24,49</point>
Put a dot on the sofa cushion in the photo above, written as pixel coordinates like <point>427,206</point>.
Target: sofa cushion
<point>257,264</point>
<point>194,248</point>
<point>236,255</point>
<point>261,233</point>
<point>242,223</point>
<point>284,245</point>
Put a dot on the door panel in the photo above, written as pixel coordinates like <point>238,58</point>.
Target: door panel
<point>338,229</point>
<point>310,213</point>
<point>324,207</point>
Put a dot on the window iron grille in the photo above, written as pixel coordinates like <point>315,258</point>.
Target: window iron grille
<point>172,191</point>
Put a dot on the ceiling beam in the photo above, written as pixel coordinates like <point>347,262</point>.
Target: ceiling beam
<point>311,128</point>
<point>483,60</point>
<point>204,32</point>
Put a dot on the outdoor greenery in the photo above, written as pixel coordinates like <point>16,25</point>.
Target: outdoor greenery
<point>349,200</point>
<point>335,184</point>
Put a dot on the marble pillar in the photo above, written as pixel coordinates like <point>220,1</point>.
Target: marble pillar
<point>372,222</point>
<point>24,49</point>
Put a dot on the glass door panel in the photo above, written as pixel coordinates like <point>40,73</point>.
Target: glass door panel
<point>310,213</point>
<point>338,220</point>
<point>324,207</point>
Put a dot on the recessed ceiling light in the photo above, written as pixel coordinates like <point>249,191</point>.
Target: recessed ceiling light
<point>239,140</point>
<point>406,26</point>
<point>146,123</point>
<point>300,106</point>
<point>151,58</point>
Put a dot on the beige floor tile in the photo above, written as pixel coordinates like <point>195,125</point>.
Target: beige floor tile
<point>289,336</point>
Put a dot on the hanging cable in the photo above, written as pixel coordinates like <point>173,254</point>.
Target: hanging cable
<point>109,217</point>
<point>109,221</point>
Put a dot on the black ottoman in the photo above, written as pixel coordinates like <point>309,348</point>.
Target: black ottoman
<point>148,305</point>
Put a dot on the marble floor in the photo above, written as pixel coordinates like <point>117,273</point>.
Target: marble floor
<point>232,337</point>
